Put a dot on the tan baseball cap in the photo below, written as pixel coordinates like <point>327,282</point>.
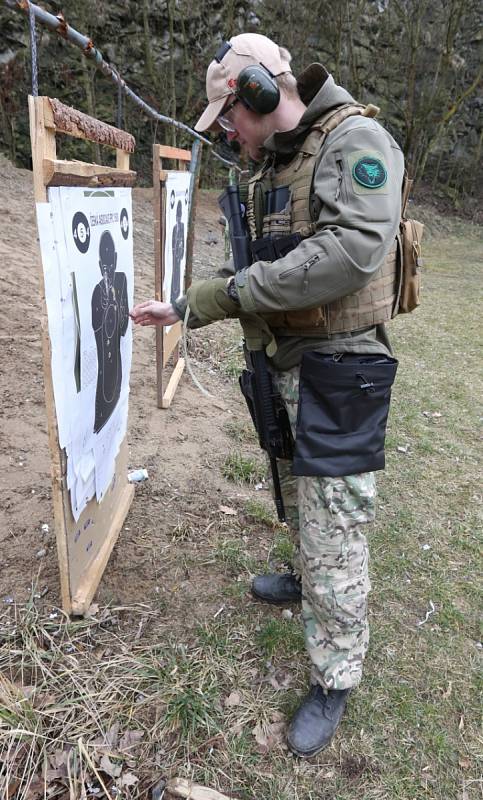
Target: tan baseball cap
<point>241,51</point>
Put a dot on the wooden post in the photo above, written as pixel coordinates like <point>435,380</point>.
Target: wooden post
<point>195,166</point>
<point>167,344</point>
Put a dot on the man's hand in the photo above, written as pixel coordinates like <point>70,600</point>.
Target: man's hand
<point>152,312</point>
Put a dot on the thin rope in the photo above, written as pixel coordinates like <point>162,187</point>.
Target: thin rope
<point>119,106</point>
<point>187,360</point>
<point>33,51</point>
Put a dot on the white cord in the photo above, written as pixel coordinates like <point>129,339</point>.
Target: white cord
<point>187,360</point>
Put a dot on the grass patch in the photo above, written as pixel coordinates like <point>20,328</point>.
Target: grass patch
<point>233,555</point>
<point>241,431</point>
<point>281,637</point>
<point>260,512</point>
<point>283,549</point>
<point>243,469</point>
<point>233,362</point>
<point>190,694</point>
<point>182,531</point>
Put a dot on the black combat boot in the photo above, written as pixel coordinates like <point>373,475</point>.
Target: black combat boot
<point>316,720</point>
<point>277,589</point>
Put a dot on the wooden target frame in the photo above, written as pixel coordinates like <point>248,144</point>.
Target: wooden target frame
<point>167,344</point>
<point>81,568</point>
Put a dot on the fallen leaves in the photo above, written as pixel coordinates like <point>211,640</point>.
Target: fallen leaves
<point>130,740</point>
<point>181,787</point>
<point>280,679</point>
<point>232,512</point>
<point>106,767</point>
<point>270,735</point>
<point>110,767</point>
<point>129,779</point>
<point>233,699</point>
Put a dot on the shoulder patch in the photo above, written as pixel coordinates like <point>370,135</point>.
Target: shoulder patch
<point>368,172</point>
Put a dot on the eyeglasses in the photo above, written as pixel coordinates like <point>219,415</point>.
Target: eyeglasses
<point>223,120</point>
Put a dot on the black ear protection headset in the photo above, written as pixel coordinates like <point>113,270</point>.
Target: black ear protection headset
<point>256,87</point>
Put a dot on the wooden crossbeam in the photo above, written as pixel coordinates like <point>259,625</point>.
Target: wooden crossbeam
<point>174,153</point>
<point>64,119</point>
<point>78,173</point>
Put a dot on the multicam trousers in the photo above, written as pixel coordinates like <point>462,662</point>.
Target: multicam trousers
<point>325,516</point>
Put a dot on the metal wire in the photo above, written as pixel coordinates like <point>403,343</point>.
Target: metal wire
<point>33,51</point>
<point>60,26</point>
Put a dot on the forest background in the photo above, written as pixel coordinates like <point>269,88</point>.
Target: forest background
<point>418,60</point>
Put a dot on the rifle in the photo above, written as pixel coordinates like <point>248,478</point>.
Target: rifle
<point>266,406</point>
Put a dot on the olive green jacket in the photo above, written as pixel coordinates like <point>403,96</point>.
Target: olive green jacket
<point>356,226</point>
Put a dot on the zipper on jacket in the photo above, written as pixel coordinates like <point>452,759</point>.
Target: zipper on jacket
<point>305,267</point>
<point>340,167</point>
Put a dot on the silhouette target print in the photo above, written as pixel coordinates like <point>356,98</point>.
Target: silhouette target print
<point>177,243</point>
<point>110,320</point>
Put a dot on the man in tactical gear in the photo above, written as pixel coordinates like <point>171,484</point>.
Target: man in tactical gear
<point>329,189</point>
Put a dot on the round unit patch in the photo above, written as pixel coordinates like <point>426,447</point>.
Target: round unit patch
<point>370,172</point>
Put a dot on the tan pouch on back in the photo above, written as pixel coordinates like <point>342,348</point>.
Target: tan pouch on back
<point>409,258</point>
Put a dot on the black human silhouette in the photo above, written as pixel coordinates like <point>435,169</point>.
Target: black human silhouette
<point>110,317</point>
<point>178,253</point>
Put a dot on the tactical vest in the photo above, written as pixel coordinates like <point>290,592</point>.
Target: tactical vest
<point>373,304</point>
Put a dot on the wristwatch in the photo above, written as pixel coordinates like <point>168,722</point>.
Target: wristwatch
<point>231,291</point>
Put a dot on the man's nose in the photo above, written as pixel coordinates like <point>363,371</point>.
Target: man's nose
<point>231,135</point>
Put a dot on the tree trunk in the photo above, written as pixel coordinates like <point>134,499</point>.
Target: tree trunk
<point>172,78</point>
<point>148,53</point>
<point>91,107</point>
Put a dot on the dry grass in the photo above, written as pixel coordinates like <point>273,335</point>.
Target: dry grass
<point>74,705</point>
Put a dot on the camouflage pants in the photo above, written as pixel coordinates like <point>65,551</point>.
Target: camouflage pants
<point>325,516</point>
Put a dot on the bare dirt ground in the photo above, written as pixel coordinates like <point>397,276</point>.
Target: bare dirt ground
<point>182,447</point>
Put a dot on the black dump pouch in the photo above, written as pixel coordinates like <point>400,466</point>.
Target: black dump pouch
<point>342,414</point>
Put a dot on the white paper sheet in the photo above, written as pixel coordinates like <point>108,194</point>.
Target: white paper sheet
<point>176,227</point>
<point>87,256</point>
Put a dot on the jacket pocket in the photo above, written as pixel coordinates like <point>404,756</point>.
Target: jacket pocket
<point>340,193</point>
<point>303,269</point>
